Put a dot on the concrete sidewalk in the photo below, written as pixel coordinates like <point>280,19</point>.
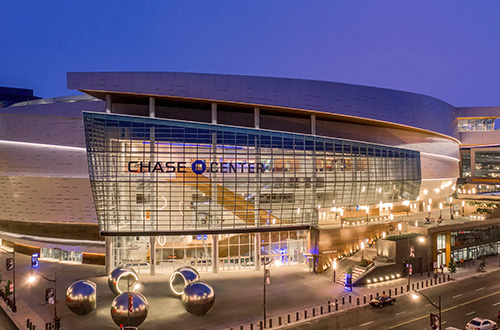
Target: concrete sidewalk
<point>239,296</point>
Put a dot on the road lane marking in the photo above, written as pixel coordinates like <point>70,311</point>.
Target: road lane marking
<point>458,295</point>
<point>427,305</point>
<point>496,304</point>
<point>401,313</point>
<point>362,325</point>
<point>444,310</point>
<point>470,313</point>
<point>479,289</point>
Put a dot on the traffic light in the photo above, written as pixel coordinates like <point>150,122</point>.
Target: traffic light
<point>9,263</point>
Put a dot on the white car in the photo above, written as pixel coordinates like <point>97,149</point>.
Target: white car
<point>478,323</point>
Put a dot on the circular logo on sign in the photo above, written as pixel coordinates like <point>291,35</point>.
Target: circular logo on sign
<point>198,167</point>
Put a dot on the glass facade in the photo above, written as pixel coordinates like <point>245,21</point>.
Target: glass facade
<point>476,124</point>
<point>488,164</point>
<point>163,176</point>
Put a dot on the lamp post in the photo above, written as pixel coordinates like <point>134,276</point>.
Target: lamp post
<point>438,307</point>
<point>429,210</point>
<point>451,208</point>
<point>440,210</point>
<point>334,265</point>
<point>410,255</point>
<point>463,208</point>
<point>399,228</point>
<point>267,276</point>
<point>14,307</point>
<point>362,250</point>
<point>33,278</point>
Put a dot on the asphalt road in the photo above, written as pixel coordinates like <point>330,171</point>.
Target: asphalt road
<point>461,301</point>
<point>5,322</point>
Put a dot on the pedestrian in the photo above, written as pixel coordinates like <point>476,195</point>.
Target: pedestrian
<point>461,262</point>
<point>435,273</point>
<point>442,268</point>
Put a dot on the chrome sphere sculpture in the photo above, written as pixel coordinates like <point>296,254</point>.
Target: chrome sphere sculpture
<point>181,277</point>
<point>198,297</point>
<point>132,310</point>
<point>81,297</point>
<point>125,274</point>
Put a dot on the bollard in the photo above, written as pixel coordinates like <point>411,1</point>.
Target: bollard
<point>389,292</point>
<point>395,291</point>
<point>449,277</point>
<point>364,299</point>
<point>279,320</point>
<point>336,305</point>
<point>329,306</point>
<point>377,294</point>
<point>251,326</point>
<point>241,327</point>
<point>371,297</point>
<point>357,301</point>
<point>305,314</point>
<point>383,292</point>
<point>314,312</point>
<point>261,325</point>
<point>297,316</point>
<point>321,310</point>
<point>270,323</point>
<point>402,289</point>
<point>343,300</point>
<point>440,280</point>
<point>413,287</point>
<point>350,299</point>
<point>27,323</point>
<point>287,319</point>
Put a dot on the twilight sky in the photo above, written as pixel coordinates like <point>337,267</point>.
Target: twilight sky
<point>448,49</point>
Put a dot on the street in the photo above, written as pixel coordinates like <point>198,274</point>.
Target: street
<point>5,322</point>
<point>461,301</point>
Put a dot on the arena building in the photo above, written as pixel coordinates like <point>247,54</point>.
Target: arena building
<point>157,170</point>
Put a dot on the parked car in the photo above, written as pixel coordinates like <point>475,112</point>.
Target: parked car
<point>478,323</point>
<point>382,301</point>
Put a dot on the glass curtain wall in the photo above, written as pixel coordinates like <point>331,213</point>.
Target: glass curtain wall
<point>165,177</point>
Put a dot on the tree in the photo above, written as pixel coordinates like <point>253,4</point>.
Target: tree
<point>7,288</point>
<point>452,267</point>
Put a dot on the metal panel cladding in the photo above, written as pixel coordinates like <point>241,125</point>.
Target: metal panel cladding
<point>157,176</point>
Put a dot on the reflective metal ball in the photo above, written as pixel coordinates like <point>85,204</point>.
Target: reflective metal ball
<point>181,277</point>
<point>198,297</point>
<point>119,277</point>
<point>81,297</point>
<point>133,309</point>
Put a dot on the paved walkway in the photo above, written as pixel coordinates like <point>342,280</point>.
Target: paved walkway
<point>239,296</point>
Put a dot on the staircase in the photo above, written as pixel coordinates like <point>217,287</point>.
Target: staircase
<point>230,201</point>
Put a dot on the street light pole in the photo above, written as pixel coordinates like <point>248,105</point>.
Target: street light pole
<point>265,283</point>
<point>32,279</point>
<point>438,307</point>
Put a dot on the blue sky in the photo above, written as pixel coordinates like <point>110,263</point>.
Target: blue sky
<point>446,49</point>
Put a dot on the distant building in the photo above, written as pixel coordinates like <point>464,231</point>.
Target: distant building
<point>9,95</point>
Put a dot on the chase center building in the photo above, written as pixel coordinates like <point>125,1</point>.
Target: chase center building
<point>217,171</point>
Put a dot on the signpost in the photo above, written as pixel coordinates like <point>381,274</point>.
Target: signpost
<point>34,260</point>
<point>348,282</point>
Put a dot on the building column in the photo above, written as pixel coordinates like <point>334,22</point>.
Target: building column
<point>215,253</point>
<point>109,258</point>
<point>313,124</point>
<point>108,103</point>
<point>256,251</point>
<point>472,162</point>
<point>152,107</point>
<point>152,255</point>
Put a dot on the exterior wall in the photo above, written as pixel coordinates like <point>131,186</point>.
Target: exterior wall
<point>359,101</point>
